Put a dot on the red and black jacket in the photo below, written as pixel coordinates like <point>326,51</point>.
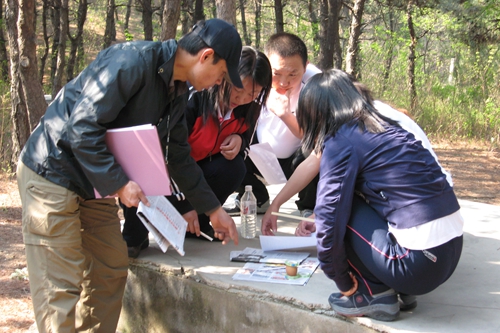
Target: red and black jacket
<point>206,133</point>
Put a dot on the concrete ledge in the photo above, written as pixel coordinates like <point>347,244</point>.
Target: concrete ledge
<point>158,300</point>
<point>169,293</point>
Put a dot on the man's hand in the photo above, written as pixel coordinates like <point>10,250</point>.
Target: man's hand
<point>231,146</point>
<point>131,194</point>
<point>193,224</point>
<point>224,227</point>
<point>279,104</point>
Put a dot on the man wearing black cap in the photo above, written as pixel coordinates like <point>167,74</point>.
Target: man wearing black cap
<point>77,259</point>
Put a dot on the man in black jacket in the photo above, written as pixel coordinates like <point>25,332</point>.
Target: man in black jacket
<point>77,259</point>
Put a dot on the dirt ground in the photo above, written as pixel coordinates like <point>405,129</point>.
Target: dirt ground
<point>475,168</point>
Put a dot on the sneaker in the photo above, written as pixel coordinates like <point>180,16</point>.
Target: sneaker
<point>306,212</point>
<point>407,302</point>
<point>383,306</point>
<point>235,210</point>
<point>133,251</point>
<point>262,209</point>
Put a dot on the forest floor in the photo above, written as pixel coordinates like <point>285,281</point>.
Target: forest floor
<point>475,168</point>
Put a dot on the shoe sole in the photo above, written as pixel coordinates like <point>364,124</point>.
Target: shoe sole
<point>382,312</point>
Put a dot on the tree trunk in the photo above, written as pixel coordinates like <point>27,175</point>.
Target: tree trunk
<point>80,57</point>
<point>355,32</point>
<point>28,69</point>
<point>46,38</point>
<point>57,83</point>
<point>313,18</point>
<point>20,121</point>
<point>127,15</point>
<point>4,57</point>
<point>186,17</point>
<point>226,10</point>
<point>325,56</point>
<point>278,11</point>
<point>246,36</point>
<point>412,89</point>
<point>199,13</point>
<point>390,49</point>
<point>258,22</point>
<point>147,19</point>
<point>110,32</point>
<point>335,7</point>
<point>75,41</point>
<point>55,18</point>
<point>171,14</point>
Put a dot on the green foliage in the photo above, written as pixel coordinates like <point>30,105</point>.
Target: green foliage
<point>128,36</point>
<point>464,103</point>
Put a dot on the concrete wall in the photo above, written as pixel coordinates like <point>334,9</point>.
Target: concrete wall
<point>164,302</point>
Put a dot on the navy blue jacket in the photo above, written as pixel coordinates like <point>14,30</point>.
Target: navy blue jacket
<point>397,176</point>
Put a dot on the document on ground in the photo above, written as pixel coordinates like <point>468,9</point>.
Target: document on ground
<point>276,273</point>
<point>250,254</point>
<point>164,222</point>
<point>272,243</point>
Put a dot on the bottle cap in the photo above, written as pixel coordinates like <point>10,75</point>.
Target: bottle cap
<point>248,187</point>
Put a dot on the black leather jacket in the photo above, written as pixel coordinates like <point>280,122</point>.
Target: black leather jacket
<point>127,84</point>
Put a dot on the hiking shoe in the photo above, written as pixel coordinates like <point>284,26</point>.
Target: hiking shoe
<point>407,302</point>
<point>383,306</point>
<point>133,251</point>
<point>306,212</point>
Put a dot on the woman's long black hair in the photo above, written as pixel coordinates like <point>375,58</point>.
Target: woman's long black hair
<point>330,100</point>
<point>252,64</point>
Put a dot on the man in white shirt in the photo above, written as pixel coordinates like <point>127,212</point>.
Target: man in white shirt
<point>277,124</point>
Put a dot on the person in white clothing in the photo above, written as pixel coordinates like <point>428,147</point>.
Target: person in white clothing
<point>277,124</point>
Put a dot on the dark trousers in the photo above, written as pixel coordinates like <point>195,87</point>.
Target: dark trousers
<point>222,175</point>
<point>307,197</point>
<point>380,263</point>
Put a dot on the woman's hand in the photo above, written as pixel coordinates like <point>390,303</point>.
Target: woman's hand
<point>269,222</point>
<point>231,146</point>
<point>305,228</point>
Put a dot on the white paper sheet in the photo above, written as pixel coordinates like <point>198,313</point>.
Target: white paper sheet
<point>164,222</point>
<point>265,160</point>
<point>272,243</point>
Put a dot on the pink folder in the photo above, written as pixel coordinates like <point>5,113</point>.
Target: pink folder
<point>138,150</point>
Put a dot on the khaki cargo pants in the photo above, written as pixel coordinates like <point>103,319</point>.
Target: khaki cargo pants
<point>77,258</point>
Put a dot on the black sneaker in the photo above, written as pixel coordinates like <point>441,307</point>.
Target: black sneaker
<point>133,251</point>
<point>383,306</point>
<point>407,302</point>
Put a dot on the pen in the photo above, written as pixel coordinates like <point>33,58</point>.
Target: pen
<point>206,236</point>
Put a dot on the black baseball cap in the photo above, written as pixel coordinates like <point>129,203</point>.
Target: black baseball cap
<point>223,38</point>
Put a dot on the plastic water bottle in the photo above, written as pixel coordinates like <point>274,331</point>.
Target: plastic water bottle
<point>248,206</point>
